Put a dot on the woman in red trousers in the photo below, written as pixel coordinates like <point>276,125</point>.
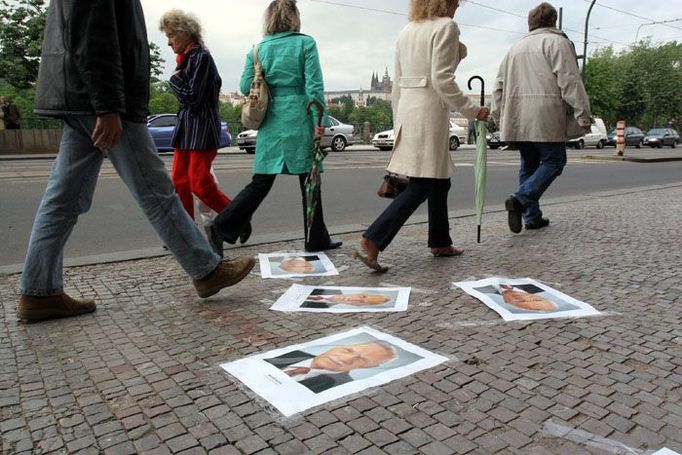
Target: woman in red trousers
<point>196,138</point>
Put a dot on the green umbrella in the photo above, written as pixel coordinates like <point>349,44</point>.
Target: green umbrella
<point>312,181</point>
<point>480,168</point>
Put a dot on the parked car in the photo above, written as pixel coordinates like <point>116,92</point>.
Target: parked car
<point>161,128</point>
<point>384,140</point>
<point>246,140</point>
<point>597,137</point>
<point>633,136</point>
<point>659,137</point>
<point>494,141</point>
<point>337,137</point>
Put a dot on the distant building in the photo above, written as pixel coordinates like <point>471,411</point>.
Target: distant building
<point>234,98</point>
<point>385,86</point>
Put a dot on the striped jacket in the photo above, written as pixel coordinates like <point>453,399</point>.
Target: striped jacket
<point>197,87</point>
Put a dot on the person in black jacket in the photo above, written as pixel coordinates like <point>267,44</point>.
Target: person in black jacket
<point>196,138</point>
<point>94,75</point>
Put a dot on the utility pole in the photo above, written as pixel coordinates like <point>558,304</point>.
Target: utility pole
<point>561,17</point>
<point>587,23</point>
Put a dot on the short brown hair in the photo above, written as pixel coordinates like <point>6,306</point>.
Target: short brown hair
<point>542,16</point>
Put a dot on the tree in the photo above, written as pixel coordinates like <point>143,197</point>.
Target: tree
<point>640,85</point>
<point>161,99</point>
<point>21,35</point>
<point>155,62</point>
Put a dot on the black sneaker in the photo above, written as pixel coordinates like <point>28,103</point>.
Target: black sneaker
<point>514,211</point>
<point>544,222</point>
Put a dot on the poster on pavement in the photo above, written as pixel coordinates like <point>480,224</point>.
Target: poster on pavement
<point>301,376</point>
<point>341,299</point>
<point>288,265</point>
<point>524,299</point>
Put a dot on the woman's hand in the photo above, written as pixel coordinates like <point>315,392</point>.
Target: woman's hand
<point>483,114</point>
<point>319,131</point>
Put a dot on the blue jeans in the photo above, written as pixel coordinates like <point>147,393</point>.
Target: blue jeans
<point>541,163</point>
<point>69,193</point>
<point>418,190</point>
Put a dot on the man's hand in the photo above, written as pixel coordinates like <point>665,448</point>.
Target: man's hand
<point>483,114</point>
<point>107,131</point>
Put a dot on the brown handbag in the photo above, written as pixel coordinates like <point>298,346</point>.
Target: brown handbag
<point>392,185</point>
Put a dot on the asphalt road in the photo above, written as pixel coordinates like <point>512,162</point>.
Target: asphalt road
<point>115,223</point>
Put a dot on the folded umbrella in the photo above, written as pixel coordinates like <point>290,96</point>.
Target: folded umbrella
<point>480,167</point>
<point>312,181</point>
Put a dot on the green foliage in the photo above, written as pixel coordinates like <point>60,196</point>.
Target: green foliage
<point>641,85</point>
<point>155,62</point>
<point>233,116</point>
<point>21,34</point>
<point>162,100</point>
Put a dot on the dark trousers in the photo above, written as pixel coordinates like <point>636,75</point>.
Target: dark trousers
<point>385,228</point>
<point>231,221</point>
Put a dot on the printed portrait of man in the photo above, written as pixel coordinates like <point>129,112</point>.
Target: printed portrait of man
<point>296,264</point>
<point>332,367</point>
<point>526,298</point>
<point>328,298</point>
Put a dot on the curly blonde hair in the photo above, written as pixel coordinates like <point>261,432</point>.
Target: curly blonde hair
<point>421,10</point>
<point>176,21</point>
<point>281,16</point>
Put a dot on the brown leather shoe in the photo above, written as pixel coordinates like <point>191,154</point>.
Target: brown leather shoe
<point>227,273</point>
<point>33,308</point>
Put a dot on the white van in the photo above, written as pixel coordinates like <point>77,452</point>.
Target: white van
<point>597,136</point>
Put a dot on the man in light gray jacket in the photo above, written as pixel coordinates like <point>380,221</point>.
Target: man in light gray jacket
<point>539,102</point>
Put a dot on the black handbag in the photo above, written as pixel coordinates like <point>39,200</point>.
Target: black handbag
<point>392,185</point>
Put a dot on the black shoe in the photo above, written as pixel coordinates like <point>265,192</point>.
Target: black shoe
<point>246,233</point>
<point>333,244</point>
<point>214,239</point>
<point>544,222</point>
<point>514,211</point>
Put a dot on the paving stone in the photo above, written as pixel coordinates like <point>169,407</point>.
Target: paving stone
<point>142,374</point>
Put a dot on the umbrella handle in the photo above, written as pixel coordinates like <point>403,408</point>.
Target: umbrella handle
<point>482,87</point>
<point>320,110</point>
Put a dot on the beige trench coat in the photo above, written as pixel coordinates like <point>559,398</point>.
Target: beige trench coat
<point>424,93</point>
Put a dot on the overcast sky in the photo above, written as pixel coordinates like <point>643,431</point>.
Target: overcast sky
<point>356,41</point>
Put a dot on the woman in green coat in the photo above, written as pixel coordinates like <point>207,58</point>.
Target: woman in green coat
<point>291,68</point>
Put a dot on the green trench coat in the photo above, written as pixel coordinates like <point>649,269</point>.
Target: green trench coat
<point>291,67</point>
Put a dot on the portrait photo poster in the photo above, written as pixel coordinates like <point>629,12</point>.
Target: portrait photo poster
<point>298,264</point>
<point>342,299</point>
<point>524,299</point>
<point>301,376</point>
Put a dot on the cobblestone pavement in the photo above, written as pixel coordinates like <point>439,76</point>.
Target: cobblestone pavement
<point>141,374</point>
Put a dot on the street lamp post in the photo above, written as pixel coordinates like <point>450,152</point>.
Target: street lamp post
<point>587,22</point>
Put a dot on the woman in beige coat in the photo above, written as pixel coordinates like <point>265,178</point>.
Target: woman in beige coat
<point>427,54</point>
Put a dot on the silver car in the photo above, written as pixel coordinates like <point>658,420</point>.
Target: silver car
<point>384,139</point>
<point>337,137</point>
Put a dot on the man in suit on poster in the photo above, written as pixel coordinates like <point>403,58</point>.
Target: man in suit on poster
<point>332,367</point>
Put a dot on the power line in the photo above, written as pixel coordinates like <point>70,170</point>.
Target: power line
<point>631,14</point>
<point>495,9</point>
<point>377,10</point>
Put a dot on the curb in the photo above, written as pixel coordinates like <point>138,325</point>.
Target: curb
<point>633,160</point>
